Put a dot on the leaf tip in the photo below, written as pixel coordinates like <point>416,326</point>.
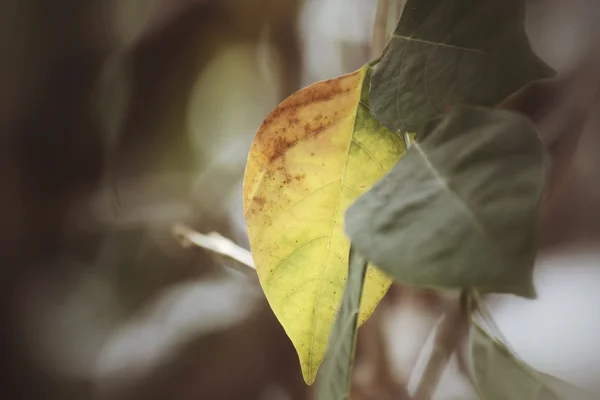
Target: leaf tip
<point>309,373</point>
<point>528,291</point>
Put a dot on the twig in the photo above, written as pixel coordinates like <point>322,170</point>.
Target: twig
<point>488,320</point>
<point>450,332</point>
<point>213,242</point>
<point>374,357</point>
<point>380,28</point>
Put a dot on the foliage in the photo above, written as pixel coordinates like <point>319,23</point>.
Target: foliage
<point>335,380</point>
<point>312,157</point>
<point>493,366</point>
<point>435,219</point>
<point>458,211</point>
<point>444,53</point>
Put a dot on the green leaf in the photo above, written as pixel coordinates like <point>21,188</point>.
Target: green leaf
<point>335,378</point>
<point>460,209</point>
<point>499,375</point>
<point>448,52</point>
<point>564,389</point>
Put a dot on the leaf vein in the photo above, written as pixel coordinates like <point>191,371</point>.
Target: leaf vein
<point>286,258</point>
<point>358,192</point>
<point>301,199</point>
<point>333,221</point>
<point>296,289</point>
<point>446,45</point>
<point>444,183</point>
<point>368,153</point>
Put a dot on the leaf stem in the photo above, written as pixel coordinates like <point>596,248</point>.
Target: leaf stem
<point>447,338</point>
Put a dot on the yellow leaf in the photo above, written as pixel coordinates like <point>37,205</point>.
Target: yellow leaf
<point>311,158</point>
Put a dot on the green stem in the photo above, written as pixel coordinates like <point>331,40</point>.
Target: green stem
<point>448,336</point>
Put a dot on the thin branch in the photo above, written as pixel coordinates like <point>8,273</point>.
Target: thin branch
<point>380,28</point>
<point>488,320</point>
<point>374,358</point>
<point>213,242</point>
<point>450,332</point>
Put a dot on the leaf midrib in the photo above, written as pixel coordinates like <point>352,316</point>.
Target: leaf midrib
<point>336,209</point>
<point>463,206</point>
<point>446,45</point>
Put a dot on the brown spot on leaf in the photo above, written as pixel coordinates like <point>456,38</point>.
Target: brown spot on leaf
<point>288,178</point>
<point>278,145</point>
<point>268,220</point>
<point>283,128</point>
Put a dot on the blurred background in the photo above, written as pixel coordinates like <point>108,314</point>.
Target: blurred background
<point>121,118</point>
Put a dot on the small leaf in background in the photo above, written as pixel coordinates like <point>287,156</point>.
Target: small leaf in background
<point>499,375</point>
<point>336,373</point>
<point>448,52</point>
<point>460,209</point>
<point>312,157</point>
